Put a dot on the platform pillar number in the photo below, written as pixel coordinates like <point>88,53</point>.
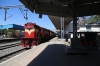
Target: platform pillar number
<point>62,27</point>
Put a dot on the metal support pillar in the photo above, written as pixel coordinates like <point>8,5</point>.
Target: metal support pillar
<point>5,13</point>
<point>74,23</point>
<point>62,27</point>
<point>26,14</point>
<point>75,42</point>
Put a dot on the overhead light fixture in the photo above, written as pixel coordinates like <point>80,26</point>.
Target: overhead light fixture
<point>40,15</point>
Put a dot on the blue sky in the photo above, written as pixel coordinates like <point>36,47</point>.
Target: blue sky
<point>17,17</point>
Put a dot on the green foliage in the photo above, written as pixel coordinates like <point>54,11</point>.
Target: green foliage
<point>1,32</point>
<point>10,30</point>
<point>94,19</point>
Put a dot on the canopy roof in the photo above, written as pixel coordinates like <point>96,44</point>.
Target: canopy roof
<point>63,8</point>
<point>56,21</point>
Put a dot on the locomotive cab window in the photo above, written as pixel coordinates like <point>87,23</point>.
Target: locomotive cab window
<point>28,24</point>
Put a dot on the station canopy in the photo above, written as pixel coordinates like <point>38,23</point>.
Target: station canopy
<point>63,8</point>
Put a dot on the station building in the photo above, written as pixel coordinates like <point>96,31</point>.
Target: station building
<point>11,30</point>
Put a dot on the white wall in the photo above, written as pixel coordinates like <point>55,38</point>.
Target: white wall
<point>92,28</point>
<point>95,28</point>
<point>82,28</point>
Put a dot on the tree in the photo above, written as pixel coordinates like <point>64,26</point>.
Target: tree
<point>94,19</point>
<point>83,20</point>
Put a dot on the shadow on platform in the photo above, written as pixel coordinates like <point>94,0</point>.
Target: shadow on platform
<point>54,55</point>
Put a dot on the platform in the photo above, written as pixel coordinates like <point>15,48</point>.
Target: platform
<point>52,53</point>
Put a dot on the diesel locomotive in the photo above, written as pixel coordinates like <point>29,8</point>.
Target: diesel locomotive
<point>35,34</point>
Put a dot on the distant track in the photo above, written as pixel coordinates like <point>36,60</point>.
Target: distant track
<point>10,49</point>
<point>9,46</point>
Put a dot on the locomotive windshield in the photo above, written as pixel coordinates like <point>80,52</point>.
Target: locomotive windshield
<point>28,24</point>
<point>29,28</point>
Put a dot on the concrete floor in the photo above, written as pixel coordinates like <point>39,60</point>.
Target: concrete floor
<point>53,54</point>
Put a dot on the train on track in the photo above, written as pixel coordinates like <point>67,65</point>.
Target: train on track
<point>35,34</point>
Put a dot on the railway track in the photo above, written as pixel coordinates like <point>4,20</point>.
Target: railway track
<point>9,50</point>
<point>8,56</point>
<point>9,46</point>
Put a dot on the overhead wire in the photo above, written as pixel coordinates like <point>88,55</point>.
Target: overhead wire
<point>17,6</point>
<point>9,16</point>
<point>21,10</point>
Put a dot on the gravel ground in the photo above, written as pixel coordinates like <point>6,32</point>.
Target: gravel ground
<point>8,43</point>
<point>10,50</point>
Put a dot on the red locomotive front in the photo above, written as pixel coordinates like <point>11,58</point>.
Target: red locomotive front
<point>31,35</point>
<point>30,30</point>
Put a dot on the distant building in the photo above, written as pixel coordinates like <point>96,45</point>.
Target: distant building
<point>11,26</point>
<point>83,28</point>
<point>11,30</point>
<point>94,28</point>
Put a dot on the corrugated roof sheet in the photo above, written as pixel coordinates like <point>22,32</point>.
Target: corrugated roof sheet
<point>14,26</point>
